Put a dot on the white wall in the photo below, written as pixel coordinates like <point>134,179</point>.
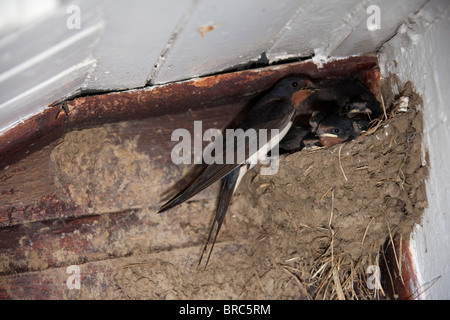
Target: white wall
<point>421,50</point>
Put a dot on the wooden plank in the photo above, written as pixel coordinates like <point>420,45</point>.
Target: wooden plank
<point>52,66</point>
<point>105,169</point>
<point>127,51</point>
<point>225,35</point>
<point>54,243</point>
<point>116,278</point>
<point>99,183</point>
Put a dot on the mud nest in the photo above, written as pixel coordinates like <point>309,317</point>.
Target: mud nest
<point>312,230</point>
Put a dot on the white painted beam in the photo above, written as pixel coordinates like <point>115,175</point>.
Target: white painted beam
<point>220,35</point>
<point>362,40</point>
<point>135,35</point>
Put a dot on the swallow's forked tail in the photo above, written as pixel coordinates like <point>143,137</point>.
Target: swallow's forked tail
<point>229,184</point>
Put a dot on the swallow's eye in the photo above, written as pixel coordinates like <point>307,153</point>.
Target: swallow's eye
<point>294,84</point>
<point>335,130</point>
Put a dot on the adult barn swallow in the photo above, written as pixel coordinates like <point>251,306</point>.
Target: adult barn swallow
<point>275,110</point>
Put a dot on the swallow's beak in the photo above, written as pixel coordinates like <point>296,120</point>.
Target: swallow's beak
<point>356,111</point>
<point>328,135</point>
<point>322,134</point>
<point>309,85</point>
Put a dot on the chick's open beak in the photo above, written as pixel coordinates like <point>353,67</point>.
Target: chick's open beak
<point>322,134</point>
<point>357,111</point>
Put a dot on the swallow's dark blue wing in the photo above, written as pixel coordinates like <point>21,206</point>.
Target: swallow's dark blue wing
<point>271,115</point>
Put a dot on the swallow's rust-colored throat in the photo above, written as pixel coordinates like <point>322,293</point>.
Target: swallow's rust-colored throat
<point>300,96</point>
